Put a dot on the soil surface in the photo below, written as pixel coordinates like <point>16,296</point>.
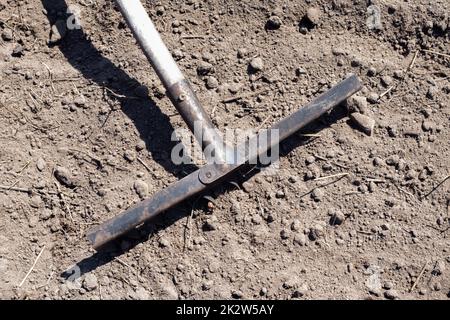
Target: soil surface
<point>358,208</point>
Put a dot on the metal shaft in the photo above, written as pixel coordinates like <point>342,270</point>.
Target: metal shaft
<point>178,88</point>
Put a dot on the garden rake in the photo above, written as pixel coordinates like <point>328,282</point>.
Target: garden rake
<point>216,152</point>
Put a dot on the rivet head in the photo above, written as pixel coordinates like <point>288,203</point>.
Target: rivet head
<point>209,175</point>
<point>182,97</point>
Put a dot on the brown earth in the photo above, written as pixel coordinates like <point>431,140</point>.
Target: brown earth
<point>77,109</point>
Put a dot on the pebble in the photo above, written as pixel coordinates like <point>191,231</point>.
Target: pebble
<point>248,186</point>
<point>391,294</point>
<point>313,15</point>
<point>439,268</point>
<point>90,282</point>
<point>310,160</point>
<point>316,232</point>
<point>300,291</point>
<point>212,83</point>
<point>58,32</point>
<point>337,218</point>
<point>284,234</point>
<point>393,160</point>
<point>300,239</point>
<point>7,34</point>
<point>236,294</point>
<point>40,164</point>
<point>204,68</point>
<point>64,176</point>
<point>365,123</point>
<point>373,97</point>
<point>210,224</point>
<point>18,51</point>
<point>274,23</point>
<point>140,145</point>
<point>257,64</point>
<point>427,126</point>
<point>141,91</point>
<point>372,72</point>
<point>163,242</point>
<point>36,202</point>
<point>377,162</point>
<point>358,104</point>
<point>386,81</point>
<point>317,195</point>
<point>141,188</point>
<point>129,155</point>
<point>296,225</point>
<point>141,294</point>
<point>242,53</point>
<point>432,91</point>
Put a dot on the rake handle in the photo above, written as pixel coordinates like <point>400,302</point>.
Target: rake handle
<point>178,88</point>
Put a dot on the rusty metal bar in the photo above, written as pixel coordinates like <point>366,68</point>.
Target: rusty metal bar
<point>210,174</point>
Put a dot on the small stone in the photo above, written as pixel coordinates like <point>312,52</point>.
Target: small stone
<point>388,285</point>
<point>377,161</point>
<point>248,186</point>
<point>45,214</point>
<point>392,131</point>
<point>7,34</point>
<point>300,291</point>
<point>141,91</point>
<point>18,51</point>
<point>212,83</point>
<point>40,164</point>
<point>211,224</point>
<point>284,234</point>
<point>58,31</point>
<point>316,232</point>
<point>141,294</point>
<point>129,155</point>
<point>90,282</point>
<point>364,123</point>
<point>296,225</point>
<point>36,202</point>
<point>357,104</point>
<point>274,23</point>
<point>313,15</point>
<point>391,294</point>
<point>437,286</point>
<point>280,194</point>
<point>387,81</point>
<point>373,98</point>
<point>398,74</point>
<point>439,268</point>
<point>427,126</point>
<point>160,10</point>
<point>310,160</point>
<point>263,291</point>
<point>257,64</point>
<point>242,53</point>
<point>431,93</point>
<point>163,243</point>
<point>141,188</point>
<point>140,145</point>
<point>236,294</point>
<point>356,62</point>
<point>64,176</point>
<point>337,218</point>
<point>393,160</point>
<point>372,72</point>
<point>317,195</point>
<point>204,68</point>
<point>300,239</point>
